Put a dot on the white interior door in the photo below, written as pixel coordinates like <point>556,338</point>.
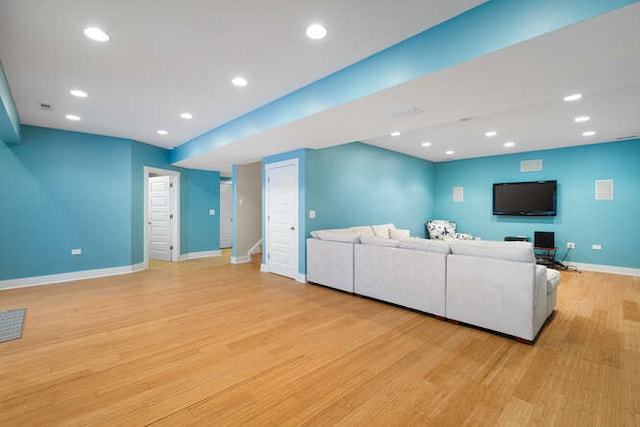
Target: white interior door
<point>282,218</point>
<point>226,208</point>
<point>160,217</point>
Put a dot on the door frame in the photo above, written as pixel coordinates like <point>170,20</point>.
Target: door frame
<point>267,171</point>
<point>231,184</point>
<point>174,178</point>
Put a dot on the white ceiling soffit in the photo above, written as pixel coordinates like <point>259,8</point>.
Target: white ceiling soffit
<point>516,91</point>
<point>169,57</point>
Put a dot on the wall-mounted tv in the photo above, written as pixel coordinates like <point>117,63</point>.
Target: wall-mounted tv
<point>535,198</point>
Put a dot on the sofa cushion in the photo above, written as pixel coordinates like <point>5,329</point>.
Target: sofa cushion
<point>364,230</point>
<point>317,233</point>
<point>397,234</point>
<point>427,245</point>
<point>510,251</point>
<point>378,241</point>
<point>382,230</point>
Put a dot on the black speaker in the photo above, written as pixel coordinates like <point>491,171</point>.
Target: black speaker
<point>544,239</point>
<point>516,239</point>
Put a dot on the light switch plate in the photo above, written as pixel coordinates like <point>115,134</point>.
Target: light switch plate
<point>312,214</point>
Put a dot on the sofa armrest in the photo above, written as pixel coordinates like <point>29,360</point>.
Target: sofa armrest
<point>540,298</point>
<point>330,263</point>
<point>492,293</point>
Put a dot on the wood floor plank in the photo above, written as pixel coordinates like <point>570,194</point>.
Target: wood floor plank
<point>205,342</point>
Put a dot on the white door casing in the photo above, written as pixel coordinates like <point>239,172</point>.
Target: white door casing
<point>282,226</point>
<point>226,208</point>
<point>160,218</point>
<point>174,179</point>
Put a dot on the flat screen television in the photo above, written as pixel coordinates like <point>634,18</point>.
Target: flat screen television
<point>535,198</point>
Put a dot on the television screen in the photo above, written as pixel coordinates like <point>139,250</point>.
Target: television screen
<point>536,198</point>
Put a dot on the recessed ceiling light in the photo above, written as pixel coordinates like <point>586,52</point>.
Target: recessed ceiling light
<point>582,119</point>
<point>162,132</point>
<point>239,81</point>
<point>72,117</point>
<point>426,144</point>
<point>78,93</point>
<point>97,34</point>
<point>449,152</point>
<point>588,133</point>
<point>395,133</point>
<point>316,31</point>
<point>573,97</point>
<point>509,144</point>
<point>186,116</point>
<point>491,133</point>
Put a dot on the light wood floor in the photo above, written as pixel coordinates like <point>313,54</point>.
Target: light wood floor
<point>203,342</point>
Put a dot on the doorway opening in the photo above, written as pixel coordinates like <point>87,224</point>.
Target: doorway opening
<point>161,215</point>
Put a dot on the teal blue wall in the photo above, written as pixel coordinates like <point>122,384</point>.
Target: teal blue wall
<point>66,190</point>
<point>358,184</point>
<point>201,193</point>
<point>581,219</point>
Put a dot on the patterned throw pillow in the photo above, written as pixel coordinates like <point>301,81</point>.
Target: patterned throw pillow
<point>441,230</point>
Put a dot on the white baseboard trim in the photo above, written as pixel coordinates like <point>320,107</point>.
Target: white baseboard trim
<point>203,254</point>
<point>69,277</point>
<point>299,277</point>
<point>627,271</point>
<point>240,259</point>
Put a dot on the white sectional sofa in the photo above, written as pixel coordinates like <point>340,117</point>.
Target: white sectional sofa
<point>497,286</point>
<point>404,272</point>
<point>493,285</point>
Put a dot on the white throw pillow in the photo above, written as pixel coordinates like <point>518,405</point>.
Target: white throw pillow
<point>317,233</point>
<point>427,245</point>
<point>378,241</point>
<point>398,234</point>
<point>365,230</point>
<point>382,230</point>
<point>336,236</point>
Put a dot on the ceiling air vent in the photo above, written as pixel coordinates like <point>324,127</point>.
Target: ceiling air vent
<point>531,165</point>
<point>406,112</point>
<point>45,106</point>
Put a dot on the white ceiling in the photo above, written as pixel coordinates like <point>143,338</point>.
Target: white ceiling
<point>138,83</point>
<point>166,57</point>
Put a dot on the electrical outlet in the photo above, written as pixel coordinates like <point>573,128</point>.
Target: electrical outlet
<point>596,247</point>
<point>571,245</point>
<point>212,211</point>
<point>76,251</point>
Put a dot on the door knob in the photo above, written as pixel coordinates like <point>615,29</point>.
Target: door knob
<point>292,228</point>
